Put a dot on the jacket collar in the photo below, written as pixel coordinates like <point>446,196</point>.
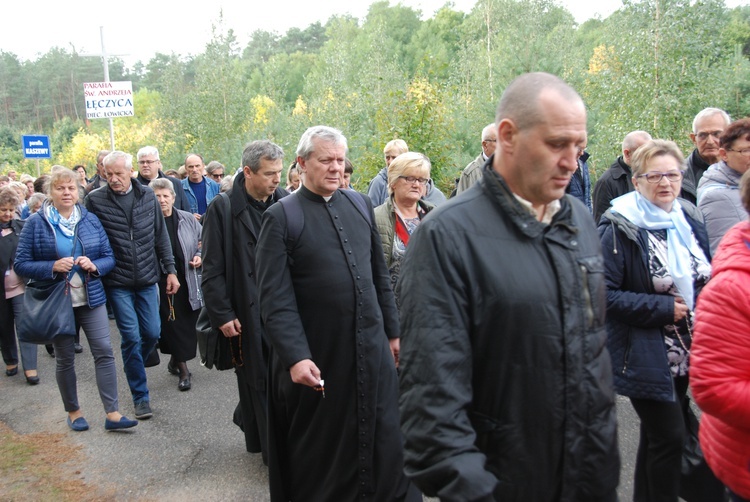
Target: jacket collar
<point>502,196</point>
<point>620,168</point>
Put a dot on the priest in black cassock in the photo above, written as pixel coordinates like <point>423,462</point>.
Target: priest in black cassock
<point>330,316</point>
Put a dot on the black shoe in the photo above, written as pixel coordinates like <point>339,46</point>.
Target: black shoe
<point>78,348</point>
<point>143,411</point>
<point>32,380</point>
<point>12,371</point>
<point>50,349</point>
<point>185,384</point>
<point>171,369</point>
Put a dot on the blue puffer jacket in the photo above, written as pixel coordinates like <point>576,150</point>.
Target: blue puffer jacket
<point>37,251</point>
<point>636,314</point>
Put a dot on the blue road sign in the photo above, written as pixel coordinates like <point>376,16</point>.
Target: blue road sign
<point>36,147</point>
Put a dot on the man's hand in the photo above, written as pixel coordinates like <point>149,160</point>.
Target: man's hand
<point>395,344</point>
<point>172,284</point>
<point>232,328</point>
<point>197,216</point>
<point>306,373</point>
<point>196,262</point>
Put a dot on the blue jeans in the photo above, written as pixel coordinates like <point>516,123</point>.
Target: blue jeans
<point>137,317</point>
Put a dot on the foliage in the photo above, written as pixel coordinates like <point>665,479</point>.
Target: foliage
<point>434,82</point>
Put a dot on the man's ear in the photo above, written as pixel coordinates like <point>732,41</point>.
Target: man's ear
<point>301,164</point>
<point>692,138</point>
<point>507,133</point>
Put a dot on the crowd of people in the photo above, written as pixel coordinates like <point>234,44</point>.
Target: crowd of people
<point>404,343</point>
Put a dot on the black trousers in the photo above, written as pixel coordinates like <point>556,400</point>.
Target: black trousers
<point>659,458</point>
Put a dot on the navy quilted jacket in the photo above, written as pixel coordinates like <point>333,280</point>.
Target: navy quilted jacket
<point>636,314</point>
<point>37,252</point>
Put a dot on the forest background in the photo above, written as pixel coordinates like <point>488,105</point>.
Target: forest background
<point>435,83</point>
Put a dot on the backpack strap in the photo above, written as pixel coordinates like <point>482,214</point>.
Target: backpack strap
<point>358,200</point>
<point>295,219</point>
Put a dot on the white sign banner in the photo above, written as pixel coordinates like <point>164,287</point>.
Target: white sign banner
<point>108,99</point>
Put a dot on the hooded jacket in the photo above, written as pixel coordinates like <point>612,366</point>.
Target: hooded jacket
<point>636,314</point>
<point>719,201</point>
<point>720,373</point>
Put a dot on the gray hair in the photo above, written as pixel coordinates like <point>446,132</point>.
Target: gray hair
<point>324,133</point>
<point>486,132</point>
<point>226,183</point>
<point>213,166</point>
<point>61,175</point>
<point>260,149</point>
<point>710,112</point>
<point>162,184</point>
<point>147,150</point>
<point>520,100</point>
<point>35,201</point>
<point>115,156</point>
<point>635,139</point>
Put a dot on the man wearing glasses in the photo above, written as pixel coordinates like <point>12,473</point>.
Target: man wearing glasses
<point>707,128</point>
<point>215,171</point>
<point>719,189</point>
<point>473,171</point>
<point>149,168</point>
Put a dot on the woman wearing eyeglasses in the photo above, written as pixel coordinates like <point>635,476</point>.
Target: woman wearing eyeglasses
<point>656,260</point>
<point>719,188</point>
<point>399,216</point>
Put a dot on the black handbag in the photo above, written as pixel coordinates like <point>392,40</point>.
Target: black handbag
<point>215,349</point>
<point>47,312</point>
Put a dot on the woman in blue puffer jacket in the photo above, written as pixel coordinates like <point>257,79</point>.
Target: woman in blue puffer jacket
<point>62,228</point>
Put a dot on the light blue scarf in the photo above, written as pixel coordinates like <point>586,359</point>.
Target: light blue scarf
<point>680,241</point>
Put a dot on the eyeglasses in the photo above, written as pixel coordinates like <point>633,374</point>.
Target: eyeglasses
<point>217,176</point>
<point>489,140</point>
<point>704,135</point>
<point>655,177</point>
<point>412,179</point>
<point>148,162</point>
<point>745,152</point>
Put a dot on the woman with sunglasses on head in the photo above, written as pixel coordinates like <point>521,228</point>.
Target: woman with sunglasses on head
<point>656,260</point>
<point>399,216</point>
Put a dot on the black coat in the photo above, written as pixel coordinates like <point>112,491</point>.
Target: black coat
<point>695,167</point>
<point>242,301</point>
<point>636,315</point>
<point>330,301</point>
<point>7,254</point>
<point>615,181</point>
<point>140,242</point>
<point>506,383</point>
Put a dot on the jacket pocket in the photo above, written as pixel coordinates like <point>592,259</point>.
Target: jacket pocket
<point>593,291</point>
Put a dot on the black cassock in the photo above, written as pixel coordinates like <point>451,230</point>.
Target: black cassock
<point>331,302</point>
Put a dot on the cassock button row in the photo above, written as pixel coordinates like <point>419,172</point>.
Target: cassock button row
<point>357,277</point>
<point>341,228</point>
<point>346,240</point>
<point>574,242</point>
<point>363,421</point>
<point>335,217</point>
<point>350,251</point>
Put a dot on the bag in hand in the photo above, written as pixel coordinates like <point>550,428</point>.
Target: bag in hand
<point>216,350</point>
<point>47,312</point>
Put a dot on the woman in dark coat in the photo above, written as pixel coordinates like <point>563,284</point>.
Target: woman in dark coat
<point>656,259</point>
<point>11,306</point>
<point>179,312</point>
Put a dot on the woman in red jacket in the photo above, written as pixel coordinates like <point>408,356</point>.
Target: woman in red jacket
<point>720,373</point>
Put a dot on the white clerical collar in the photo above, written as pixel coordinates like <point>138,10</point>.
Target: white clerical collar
<point>550,210</point>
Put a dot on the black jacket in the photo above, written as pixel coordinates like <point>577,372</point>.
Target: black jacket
<point>506,384</point>
<point>142,248</point>
<point>636,315</point>
<point>242,301</point>
<point>695,167</point>
<point>180,200</point>
<point>613,182</point>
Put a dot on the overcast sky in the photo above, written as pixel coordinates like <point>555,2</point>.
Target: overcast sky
<point>137,29</point>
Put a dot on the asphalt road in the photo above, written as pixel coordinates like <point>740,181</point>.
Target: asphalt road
<point>190,449</point>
